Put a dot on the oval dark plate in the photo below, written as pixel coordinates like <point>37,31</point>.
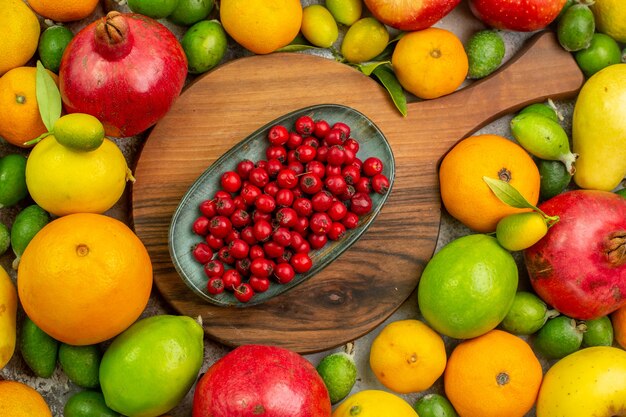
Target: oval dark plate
<point>182,239</point>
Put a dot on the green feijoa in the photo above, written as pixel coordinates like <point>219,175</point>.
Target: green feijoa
<point>554,178</point>
<point>81,364</point>
<point>156,9</point>
<point>204,44</point>
<point>434,405</point>
<point>559,337</point>
<point>39,350</point>
<point>12,179</point>
<point>318,26</point>
<point>544,138</point>
<point>527,315</point>
<point>599,332</point>
<point>188,12</point>
<point>345,12</point>
<point>576,28</point>
<point>543,109</point>
<point>27,224</point>
<point>602,52</point>
<point>338,371</point>
<point>567,5</point>
<point>485,51</point>
<point>88,404</point>
<point>5,238</point>
<point>52,44</point>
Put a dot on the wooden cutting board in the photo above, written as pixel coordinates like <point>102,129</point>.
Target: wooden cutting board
<point>372,279</point>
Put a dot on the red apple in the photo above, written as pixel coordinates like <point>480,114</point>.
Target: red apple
<point>518,15</point>
<point>410,14</point>
<point>579,266</point>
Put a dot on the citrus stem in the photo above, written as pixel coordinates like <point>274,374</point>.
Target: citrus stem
<point>38,138</point>
<point>129,175</point>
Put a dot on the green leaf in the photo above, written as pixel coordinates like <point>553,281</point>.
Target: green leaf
<point>48,97</point>
<point>369,67</point>
<point>388,79</point>
<point>388,51</point>
<point>296,48</point>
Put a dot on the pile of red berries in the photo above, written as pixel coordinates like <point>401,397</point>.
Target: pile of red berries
<point>267,217</point>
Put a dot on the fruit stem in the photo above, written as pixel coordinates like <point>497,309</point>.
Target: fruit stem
<point>38,139</point>
<point>568,159</point>
<point>349,349</point>
<point>550,314</point>
<point>199,320</point>
<point>129,175</point>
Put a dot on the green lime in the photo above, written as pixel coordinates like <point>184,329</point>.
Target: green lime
<point>434,405</point>
<point>559,337</point>
<point>364,40</point>
<point>554,178</point>
<point>189,12</point>
<point>88,404</point>
<point>156,9</point>
<point>485,51</point>
<point>599,332</point>
<point>576,28</point>
<point>602,52</point>
<point>79,131</point>
<point>621,192</point>
<point>81,364</point>
<point>520,231</point>
<point>38,349</point>
<point>543,109</point>
<point>345,12</point>
<point>27,224</point>
<point>527,315</point>
<point>52,45</point>
<point>339,374</point>
<point>5,238</point>
<point>204,44</point>
<point>12,179</point>
<point>318,26</point>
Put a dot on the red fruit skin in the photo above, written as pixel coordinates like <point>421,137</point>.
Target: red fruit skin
<point>518,15</point>
<point>410,15</point>
<point>579,267</point>
<point>128,86</point>
<point>257,380</point>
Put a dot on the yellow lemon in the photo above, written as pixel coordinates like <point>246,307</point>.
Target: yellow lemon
<point>20,400</point>
<point>261,26</point>
<point>20,34</point>
<point>521,230</point>
<point>408,356</point>
<point>610,16</point>
<point>374,403</point>
<point>63,181</point>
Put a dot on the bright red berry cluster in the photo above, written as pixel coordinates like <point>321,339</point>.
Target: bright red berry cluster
<point>267,217</point>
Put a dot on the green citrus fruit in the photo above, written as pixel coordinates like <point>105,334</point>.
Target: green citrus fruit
<point>527,315</point>
<point>468,286</point>
<point>599,332</point>
<point>339,373</point>
<point>81,364</point>
<point>5,238</point>
<point>345,12</point>
<point>52,45</point>
<point>559,337</point>
<point>38,349</point>
<point>576,28</point>
<point>554,178</point>
<point>156,9</point>
<point>434,405</point>
<point>204,44</point>
<point>602,52</point>
<point>319,26</point>
<point>364,40</point>
<point>87,404</point>
<point>26,225</point>
<point>188,12</point>
<point>519,231</point>
<point>543,109</point>
<point>12,179</point>
<point>485,51</point>
<point>79,131</point>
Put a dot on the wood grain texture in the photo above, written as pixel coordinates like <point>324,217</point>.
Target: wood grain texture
<point>373,278</point>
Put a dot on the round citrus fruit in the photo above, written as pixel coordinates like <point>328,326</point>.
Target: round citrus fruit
<point>602,52</point>
<point>408,356</point>
<point>519,231</point>
<point>20,35</point>
<point>20,120</point>
<point>618,319</point>
<point>464,192</point>
<point>364,40</point>
<point>52,44</point>
<point>430,63</point>
<point>468,287</point>
<point>494,375</point>
<point>20,400</point>
<point>63,181</point>
<point>261,26</point>
<point>64,11</point>
<point>610,17</point>
<point>374,403</point>
<point>84,278</point>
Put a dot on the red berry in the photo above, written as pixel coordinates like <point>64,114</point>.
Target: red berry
<point>232,235</point>
<point>347,195</point>
<point>372,166</point>
<point>271,188</point>
<point>310,183</point>
<point>317,168</point>
<point>273,167</point>
<point>278,135</point>
<point>243,266</point>
<point>320,223</point>
<point>256,251</point>
<point>357,163</point>
<point>201,226</point>
<point>215,268</point>
<point>259,284</point>
<point>220,226</point>
<point>249,193</point>
<point>336,231</point>
<point>238,249</point>
<point>273,250</point>
<point>259,215</point>
<point>244,167</point>
<point>296,166</point>
<point>259,177</point>
<point>278,153</point>
<point>284,273</point>
<point>224,255</point>
<point>321,128</point>
<point>287,178</point>
<point>344,128</point>
<point>239,202</point>
<point>305,246</point>
<point>351,174</point>
<point>207,208</point>
<point>247,235</point>
<point>352,145</point>
<point>305,153</point>
<point>244,292</point>
<point>360,204</point>
<point>284,197</point>
<point>261,164</point>
<point>296,239</point>
<point>336,155</point>
<point>230,181</point>
<point>225,206</point>
<point>363,185</point>
<point>265,203</point>
<point>301,262</point>
<point>380,184</point>
<point>322,154</point>
<point>261,267</point>
<point>202,253</point>
<point>215,286</point>
<point>303,207</point>
<point>311,141</point>
<point>302,225</point>
<point>221,194</point>
<point>284,258</point>
<point>304,125</point>
<point>351,220</point>
<point>214,242</point>
<point>336,184</point>
<point>282,236</point>
<point>348,156</point>
<point>231,278</point>
<point>316,241</point>
<point>333,170</point>
<point>286,216</point>
<point>334,137</point>
<point>337,211</point>
<point>240,218</point>
<point>294,140</point>
<point>322,201</point>
<point>262,230</point>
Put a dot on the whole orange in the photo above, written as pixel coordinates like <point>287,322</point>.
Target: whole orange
<point>464,192</point>
<point>430,63</point>
<point>64,11</point>
<point>20,34</point>
<point>20,120</point>
<point>84,278</point>
<point>618,319</point>
<point>494,375</point>
<point>20,400</point>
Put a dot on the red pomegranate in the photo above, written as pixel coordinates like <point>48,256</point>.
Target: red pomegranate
<point>257,380</point>
<point>579,267</point>
<point>124,69</point>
